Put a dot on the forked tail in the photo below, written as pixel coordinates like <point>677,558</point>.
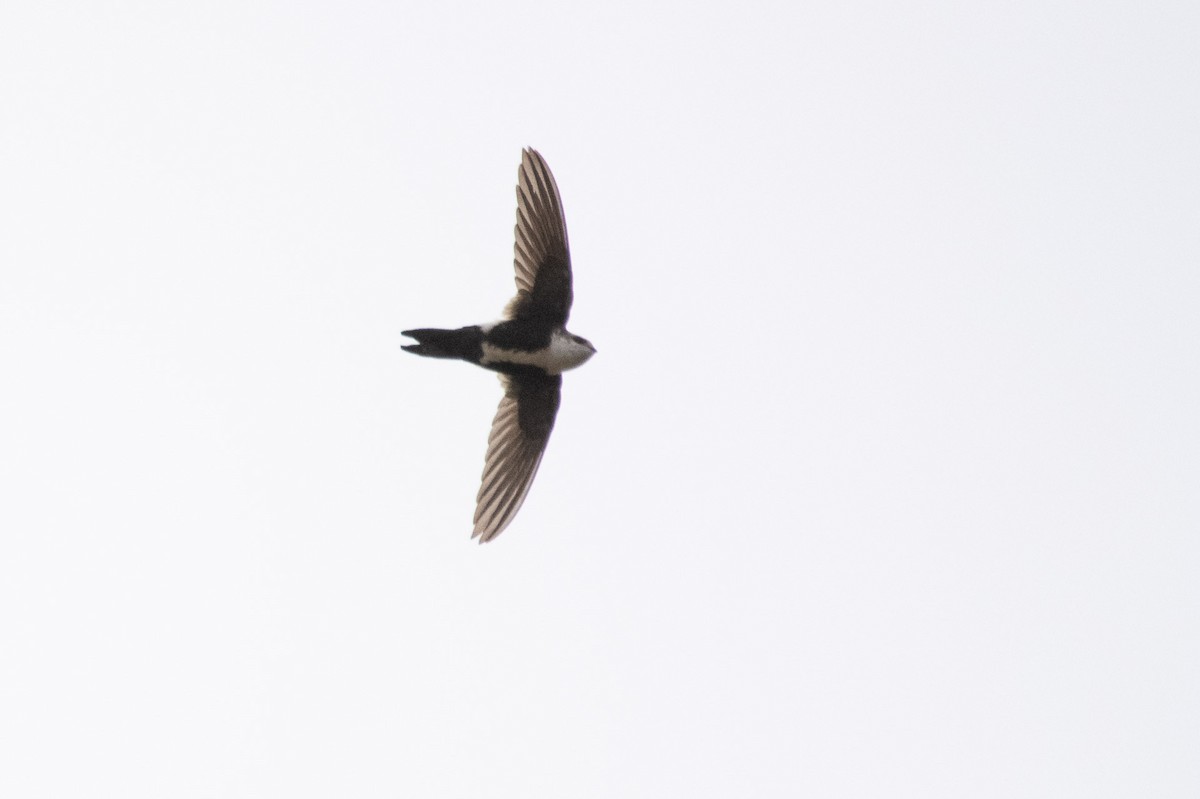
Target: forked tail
<point>464,343</point>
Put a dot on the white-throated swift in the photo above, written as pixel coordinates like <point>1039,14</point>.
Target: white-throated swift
<point>530,347</point>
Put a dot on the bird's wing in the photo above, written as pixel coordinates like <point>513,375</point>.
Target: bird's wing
<point>541,257</point>
<point>519,434</point>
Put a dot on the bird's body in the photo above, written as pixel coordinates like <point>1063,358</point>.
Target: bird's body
<point>530,348</point>
<point>504,347</point>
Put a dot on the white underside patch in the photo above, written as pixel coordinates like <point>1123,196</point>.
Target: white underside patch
<point>563,353</point>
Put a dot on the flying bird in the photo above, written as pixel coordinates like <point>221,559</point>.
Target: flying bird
<point>530,347</point>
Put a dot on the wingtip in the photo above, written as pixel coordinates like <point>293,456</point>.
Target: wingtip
<point>485,535</point>
<point>487,529</point>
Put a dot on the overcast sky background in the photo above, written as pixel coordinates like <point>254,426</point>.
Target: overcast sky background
<point>885,480</point>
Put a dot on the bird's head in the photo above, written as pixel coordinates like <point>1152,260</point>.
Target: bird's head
<point>583,341</point>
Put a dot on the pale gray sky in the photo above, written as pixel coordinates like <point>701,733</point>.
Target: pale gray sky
<point>884,481</point>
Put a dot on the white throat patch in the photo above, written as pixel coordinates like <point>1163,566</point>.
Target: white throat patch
<point>563,353</point>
